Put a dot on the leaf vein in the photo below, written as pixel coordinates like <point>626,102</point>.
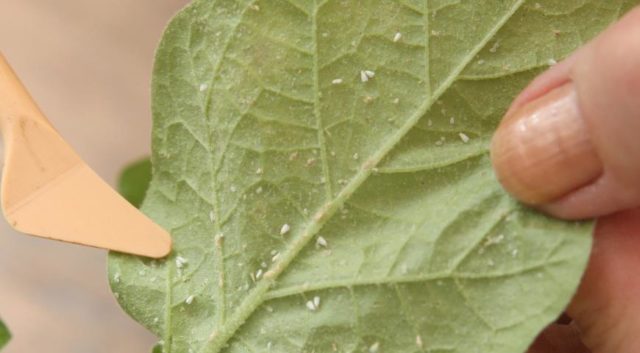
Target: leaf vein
<point>256,297</point>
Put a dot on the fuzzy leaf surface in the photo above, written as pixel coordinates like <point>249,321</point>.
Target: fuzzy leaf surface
<point>365,123</point>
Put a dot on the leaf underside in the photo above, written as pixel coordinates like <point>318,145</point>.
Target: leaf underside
<point>398,238</point>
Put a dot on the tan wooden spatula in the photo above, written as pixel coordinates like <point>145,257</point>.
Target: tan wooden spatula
<point>48,191</point>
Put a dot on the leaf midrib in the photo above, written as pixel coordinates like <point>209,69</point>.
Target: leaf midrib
<point>218,339</point>
<point>350,282</point>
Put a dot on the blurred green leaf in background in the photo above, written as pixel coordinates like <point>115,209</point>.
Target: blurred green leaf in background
<point>4,335</point>
<point>134,181</point>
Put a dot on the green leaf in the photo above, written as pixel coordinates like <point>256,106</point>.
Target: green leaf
<point>157,348</point>
<point>315,212</point>
<point>4,335</point>
<point>134,181</point>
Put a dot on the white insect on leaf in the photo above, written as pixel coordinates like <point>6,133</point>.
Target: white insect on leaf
<point>397,37</point>
<point>336,81</point>
<point>285,229</point>
<point>374,348</point>
<point>463,137</point>
<point>275,257</point>
<point>189,299</point>
<point>321,242</point>
<point>180,261</point>
<point>311,305</point>
<point>363,76</point>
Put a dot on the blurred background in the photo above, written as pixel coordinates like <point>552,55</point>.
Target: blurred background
<point>88,65</point>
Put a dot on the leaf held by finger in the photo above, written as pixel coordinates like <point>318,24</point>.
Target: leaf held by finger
<point>323,169</point>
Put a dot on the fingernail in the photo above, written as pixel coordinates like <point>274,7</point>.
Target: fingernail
<point>542,151</point>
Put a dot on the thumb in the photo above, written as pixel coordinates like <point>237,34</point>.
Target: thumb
<point>606,307</point>
<point>570,144</point>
